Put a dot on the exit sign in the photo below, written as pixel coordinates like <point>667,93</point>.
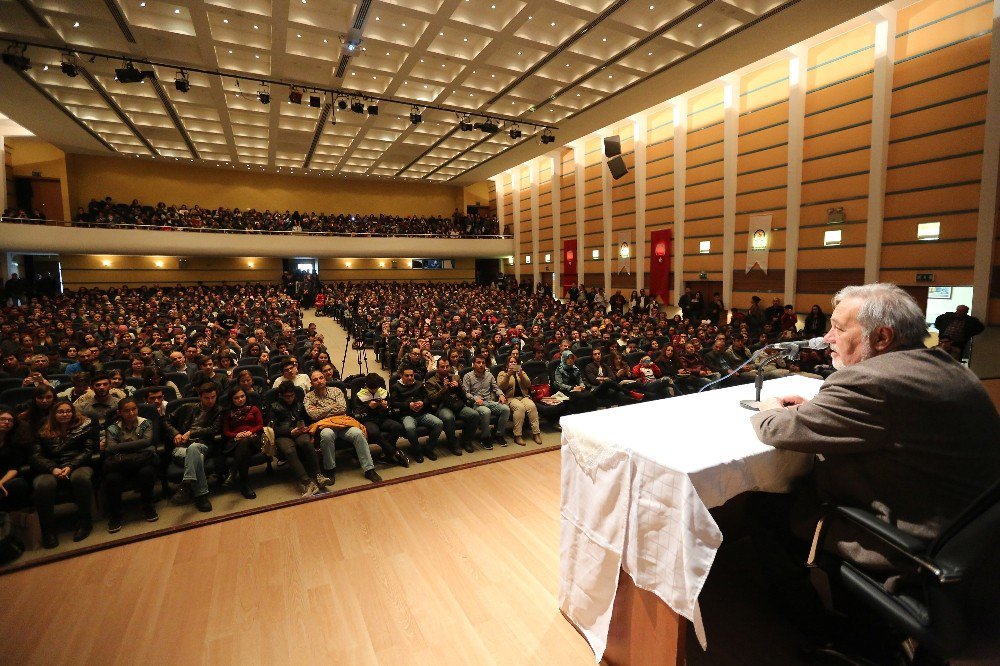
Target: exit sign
<point>925,277</point>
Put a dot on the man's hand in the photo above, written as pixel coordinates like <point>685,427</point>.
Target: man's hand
<point>502,398</point>
<point>479,401</point>
<point>782,402</point>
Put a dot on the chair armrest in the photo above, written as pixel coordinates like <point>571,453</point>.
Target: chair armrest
<point>896,538</point>
<point>910,547</point>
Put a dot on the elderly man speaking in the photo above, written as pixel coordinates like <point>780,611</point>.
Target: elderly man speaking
<point>901,430</point>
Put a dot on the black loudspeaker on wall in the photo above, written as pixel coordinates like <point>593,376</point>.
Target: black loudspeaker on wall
<point>612,146</point>
<point>616,165</point>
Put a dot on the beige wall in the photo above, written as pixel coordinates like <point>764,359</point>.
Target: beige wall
<point>477,193</point>
<point>124,179</point>
<point>88,270</point>
<point>28,155</point>
<point>332,270</point>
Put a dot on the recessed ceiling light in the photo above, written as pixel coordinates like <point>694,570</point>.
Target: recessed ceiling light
<point>700,24</point>
<point>441,33</point>
<point>553,24</point>
<point>378,18</point>
<point>387,53</point>
<point>326,41</point>
<point>650,53</point>
<point>45,69</point>
<point>609,76</point>
<point>530,17</point>
<point>493,6</point>
<point>225,21</point>
<point>651,6</point>
<point>256,27</point>
<point>404,25</point>
<point>142,4</point>
<point>298,35</point>
<point>518,53</point>
<point>177,11</point>
<point>465,39</point>
<point>230,52</point>
<point>76,24</point>
<point>578,94</point>
<point>257,56</point>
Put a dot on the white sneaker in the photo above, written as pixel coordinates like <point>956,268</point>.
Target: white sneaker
<point>310,489</point>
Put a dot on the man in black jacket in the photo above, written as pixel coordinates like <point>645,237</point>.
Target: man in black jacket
<point>193,429</point>
<point>409,400</point>
<point>372,410</point>
<point>291,437</point>
<point>448,397</point>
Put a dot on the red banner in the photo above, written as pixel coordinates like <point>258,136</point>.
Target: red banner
<point>660,244</point>
<point>569,264</point>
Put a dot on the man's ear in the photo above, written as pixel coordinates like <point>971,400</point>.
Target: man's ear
<point>883,339</point>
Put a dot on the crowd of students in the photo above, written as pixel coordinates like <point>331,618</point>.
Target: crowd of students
<point>92,381</point>
<point>182,217</point>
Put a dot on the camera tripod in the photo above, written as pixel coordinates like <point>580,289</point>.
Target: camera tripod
<point>362,353</point>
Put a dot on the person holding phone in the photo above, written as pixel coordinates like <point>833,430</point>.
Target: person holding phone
<point>516,387</point>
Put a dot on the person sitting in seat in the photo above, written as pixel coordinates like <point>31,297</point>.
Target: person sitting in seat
<point>601,378</point>
<point>373,412</point>
<point>327,403</point>
<point>481,386</point>
<point>290,373</point>
<point>516,386</point>
<point>650,380</point>
<point>446,395</point>
<point>242,428</point>
<point>192,428</point>
<point>569,381</point>
<point>62,458</point>
<point>130,455</point>
<point>291,437</point>
<point>410,402</point>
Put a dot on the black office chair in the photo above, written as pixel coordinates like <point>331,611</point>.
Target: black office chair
<point>952,587</point>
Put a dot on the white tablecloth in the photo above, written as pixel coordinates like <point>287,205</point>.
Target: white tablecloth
<point>637,484</point>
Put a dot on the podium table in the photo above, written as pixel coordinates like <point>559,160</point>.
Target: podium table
<point>637,484</point>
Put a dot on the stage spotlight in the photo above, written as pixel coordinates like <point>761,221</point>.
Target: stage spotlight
<point>357,106</point>
<point>130,74</point>
<point>373,109</point>
<point>515,132</point>
<point>68,66</point>
<point>181,82</point>
<point>547,136</point>
<point>415,117</point>
<point>295,96</point>
<point>314,101</point>
<point>341,103</point>
<point>489,126</point>
<point>17,60</point>
<point>465,123</point>
<point>264,95</point>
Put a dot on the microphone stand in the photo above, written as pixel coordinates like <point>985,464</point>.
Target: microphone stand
<point>758,381</point>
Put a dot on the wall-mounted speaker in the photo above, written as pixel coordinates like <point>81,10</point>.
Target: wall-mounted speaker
<point>616,165</point>
<point>612,146</point>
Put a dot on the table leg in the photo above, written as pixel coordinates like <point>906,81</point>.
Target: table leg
<point>644,630</point>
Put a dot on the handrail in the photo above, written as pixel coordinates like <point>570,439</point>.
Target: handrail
<point>287,232</point>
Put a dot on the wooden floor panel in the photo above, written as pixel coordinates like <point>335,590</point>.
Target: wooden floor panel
<point>460,568</point>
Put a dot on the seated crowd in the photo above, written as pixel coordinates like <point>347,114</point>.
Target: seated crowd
<point>109,213</point>
<point>113,390</point>
<point>585,352</point>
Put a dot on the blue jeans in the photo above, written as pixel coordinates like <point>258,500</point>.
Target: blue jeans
<point>193,458</point>
<point>328,438</point>
<point>486,411</point>
<point>469,417</point>
<point>426,420</point>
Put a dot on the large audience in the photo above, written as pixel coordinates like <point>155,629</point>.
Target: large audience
<point>116,390</point>
<point>108,213</point>
<point>182,217</point>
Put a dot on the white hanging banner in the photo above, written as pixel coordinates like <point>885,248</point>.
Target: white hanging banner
<point>758,241</point>
<point>623,249</point>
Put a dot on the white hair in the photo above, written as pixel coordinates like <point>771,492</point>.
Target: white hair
<point>884,304</point>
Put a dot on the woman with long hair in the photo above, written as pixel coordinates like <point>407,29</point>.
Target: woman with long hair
<point>38,408</point>
<point>15,453</point>
<point>129,456</point>
<point>516,387</point>
<point>242,426</point>
<point>815,325</point>
<point>62,458</point>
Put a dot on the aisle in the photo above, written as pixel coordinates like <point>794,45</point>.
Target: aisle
<point>335,338</point>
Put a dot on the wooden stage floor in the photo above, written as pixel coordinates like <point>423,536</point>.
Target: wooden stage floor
<point>458,568</point>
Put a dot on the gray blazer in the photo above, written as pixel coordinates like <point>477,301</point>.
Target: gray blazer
<point>910,435</point>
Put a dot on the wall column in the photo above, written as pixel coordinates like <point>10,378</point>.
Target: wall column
<point>498,182</point>
<point>796,137</point>
<point>556,221</point>
<point>535,259</point>
<point>983,267</point>
<point>578,157</point>
<point>730,133</point>
<point>640,128</point>
<point>515,190</point>
<point>885,40</point>
<point>680,183</point>
<point>606,215</point>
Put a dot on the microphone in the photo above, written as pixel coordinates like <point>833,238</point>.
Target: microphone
<point>793,347</point>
